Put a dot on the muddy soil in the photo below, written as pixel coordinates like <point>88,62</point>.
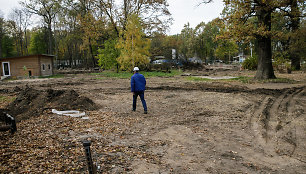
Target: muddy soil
<point>191,127</point>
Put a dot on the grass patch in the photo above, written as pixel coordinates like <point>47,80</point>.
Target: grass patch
<point>242,79</point>
<point>279,80</point>
<point>251,79</point>
<point>127,75</point>
<point>6,99</point>
<point>162,74</point>
<point>122,75</point>
<point>199,79</point>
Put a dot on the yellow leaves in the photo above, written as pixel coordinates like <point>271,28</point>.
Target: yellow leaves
<point>52,144</point>
<point>133,45</point>
<point>242,18</point>
<point>93,29</point>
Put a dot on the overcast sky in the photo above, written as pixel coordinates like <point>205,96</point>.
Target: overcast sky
<point>182,11</point>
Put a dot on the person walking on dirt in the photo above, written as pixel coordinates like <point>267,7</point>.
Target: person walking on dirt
<point>138,86</point>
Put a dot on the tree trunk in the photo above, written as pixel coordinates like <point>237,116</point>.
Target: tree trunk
<point>1,44</point>
<point>264,67</point>
<point>17,45</point>
<point>70,56</point>
<point>21,42</point>
<point>50,46</point>
<point>295,21</point>
<point>1,35</point>
<point>26,42</point>
<point>295,61</point>
<point>125,11</point>
<point>91,54</point>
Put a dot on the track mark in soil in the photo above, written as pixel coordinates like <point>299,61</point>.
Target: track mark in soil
<point>179,152</point>
<point>221,89</point>
<point>277,124</point>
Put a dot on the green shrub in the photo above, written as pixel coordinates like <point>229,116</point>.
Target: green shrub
<point>281,63</point>
<point>303,67</point>
<point>127,74</point>
<point>250,63</point>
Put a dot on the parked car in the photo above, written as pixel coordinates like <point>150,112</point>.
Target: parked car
<point>161,61</point>
<point>218,61</point>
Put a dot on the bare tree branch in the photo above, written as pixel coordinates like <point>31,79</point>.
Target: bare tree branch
<point>204,2</point>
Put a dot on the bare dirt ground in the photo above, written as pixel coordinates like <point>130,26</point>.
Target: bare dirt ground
<point>191,127</point>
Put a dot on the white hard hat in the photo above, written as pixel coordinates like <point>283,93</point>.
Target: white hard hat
<point>136,69</point>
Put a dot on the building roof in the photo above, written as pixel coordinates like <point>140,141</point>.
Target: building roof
<point>35,55</point>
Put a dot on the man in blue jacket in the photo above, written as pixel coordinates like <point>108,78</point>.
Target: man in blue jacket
<point>138,86</point>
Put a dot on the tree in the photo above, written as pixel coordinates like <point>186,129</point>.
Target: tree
<point>109,9</point>
<point>134,47</point>
<point>171,42</point>
<point>199,41</point>
<point>1,33</point>
<point>238,16</point>
<point>92,31</point>
<point>187,41</point>
<point>205,41</point>
<point>226,48</point>
<point>154,13</point>
<point>162,45</point>
<point>7,46</point>
<point>6,39</point>
<point>295,15</point>
<point>68,34</point>
<point>19,21</point>
<point>298,47</point>
<point>107,57</point>
<point>287,22</point>
<point>48,10</point>
<point>157,47</point>
<point>37,43</point>
<point>14,32</point>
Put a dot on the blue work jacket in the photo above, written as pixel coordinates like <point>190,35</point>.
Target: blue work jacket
<point>138,83</point>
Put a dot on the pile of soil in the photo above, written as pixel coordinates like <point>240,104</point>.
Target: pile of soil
<point>31,102</point>
<point>2,115</point>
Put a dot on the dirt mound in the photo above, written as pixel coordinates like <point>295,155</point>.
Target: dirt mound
<point>31,102</point>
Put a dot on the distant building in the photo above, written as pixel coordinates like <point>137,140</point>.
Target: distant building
<point>33,65</point>
<point>240,58</point>
<point>173,53</point>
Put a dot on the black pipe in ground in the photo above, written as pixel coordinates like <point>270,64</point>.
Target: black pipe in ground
<point>10,123</point>
<point>91,167</point>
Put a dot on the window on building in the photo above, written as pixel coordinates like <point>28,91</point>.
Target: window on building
<point>49,66</point>
<point>43,67</point>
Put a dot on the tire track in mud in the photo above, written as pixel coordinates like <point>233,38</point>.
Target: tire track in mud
<point>278,124</point>
<point>219,88</point>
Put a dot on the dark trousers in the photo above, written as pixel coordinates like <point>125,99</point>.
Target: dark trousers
<point>141,95</point>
